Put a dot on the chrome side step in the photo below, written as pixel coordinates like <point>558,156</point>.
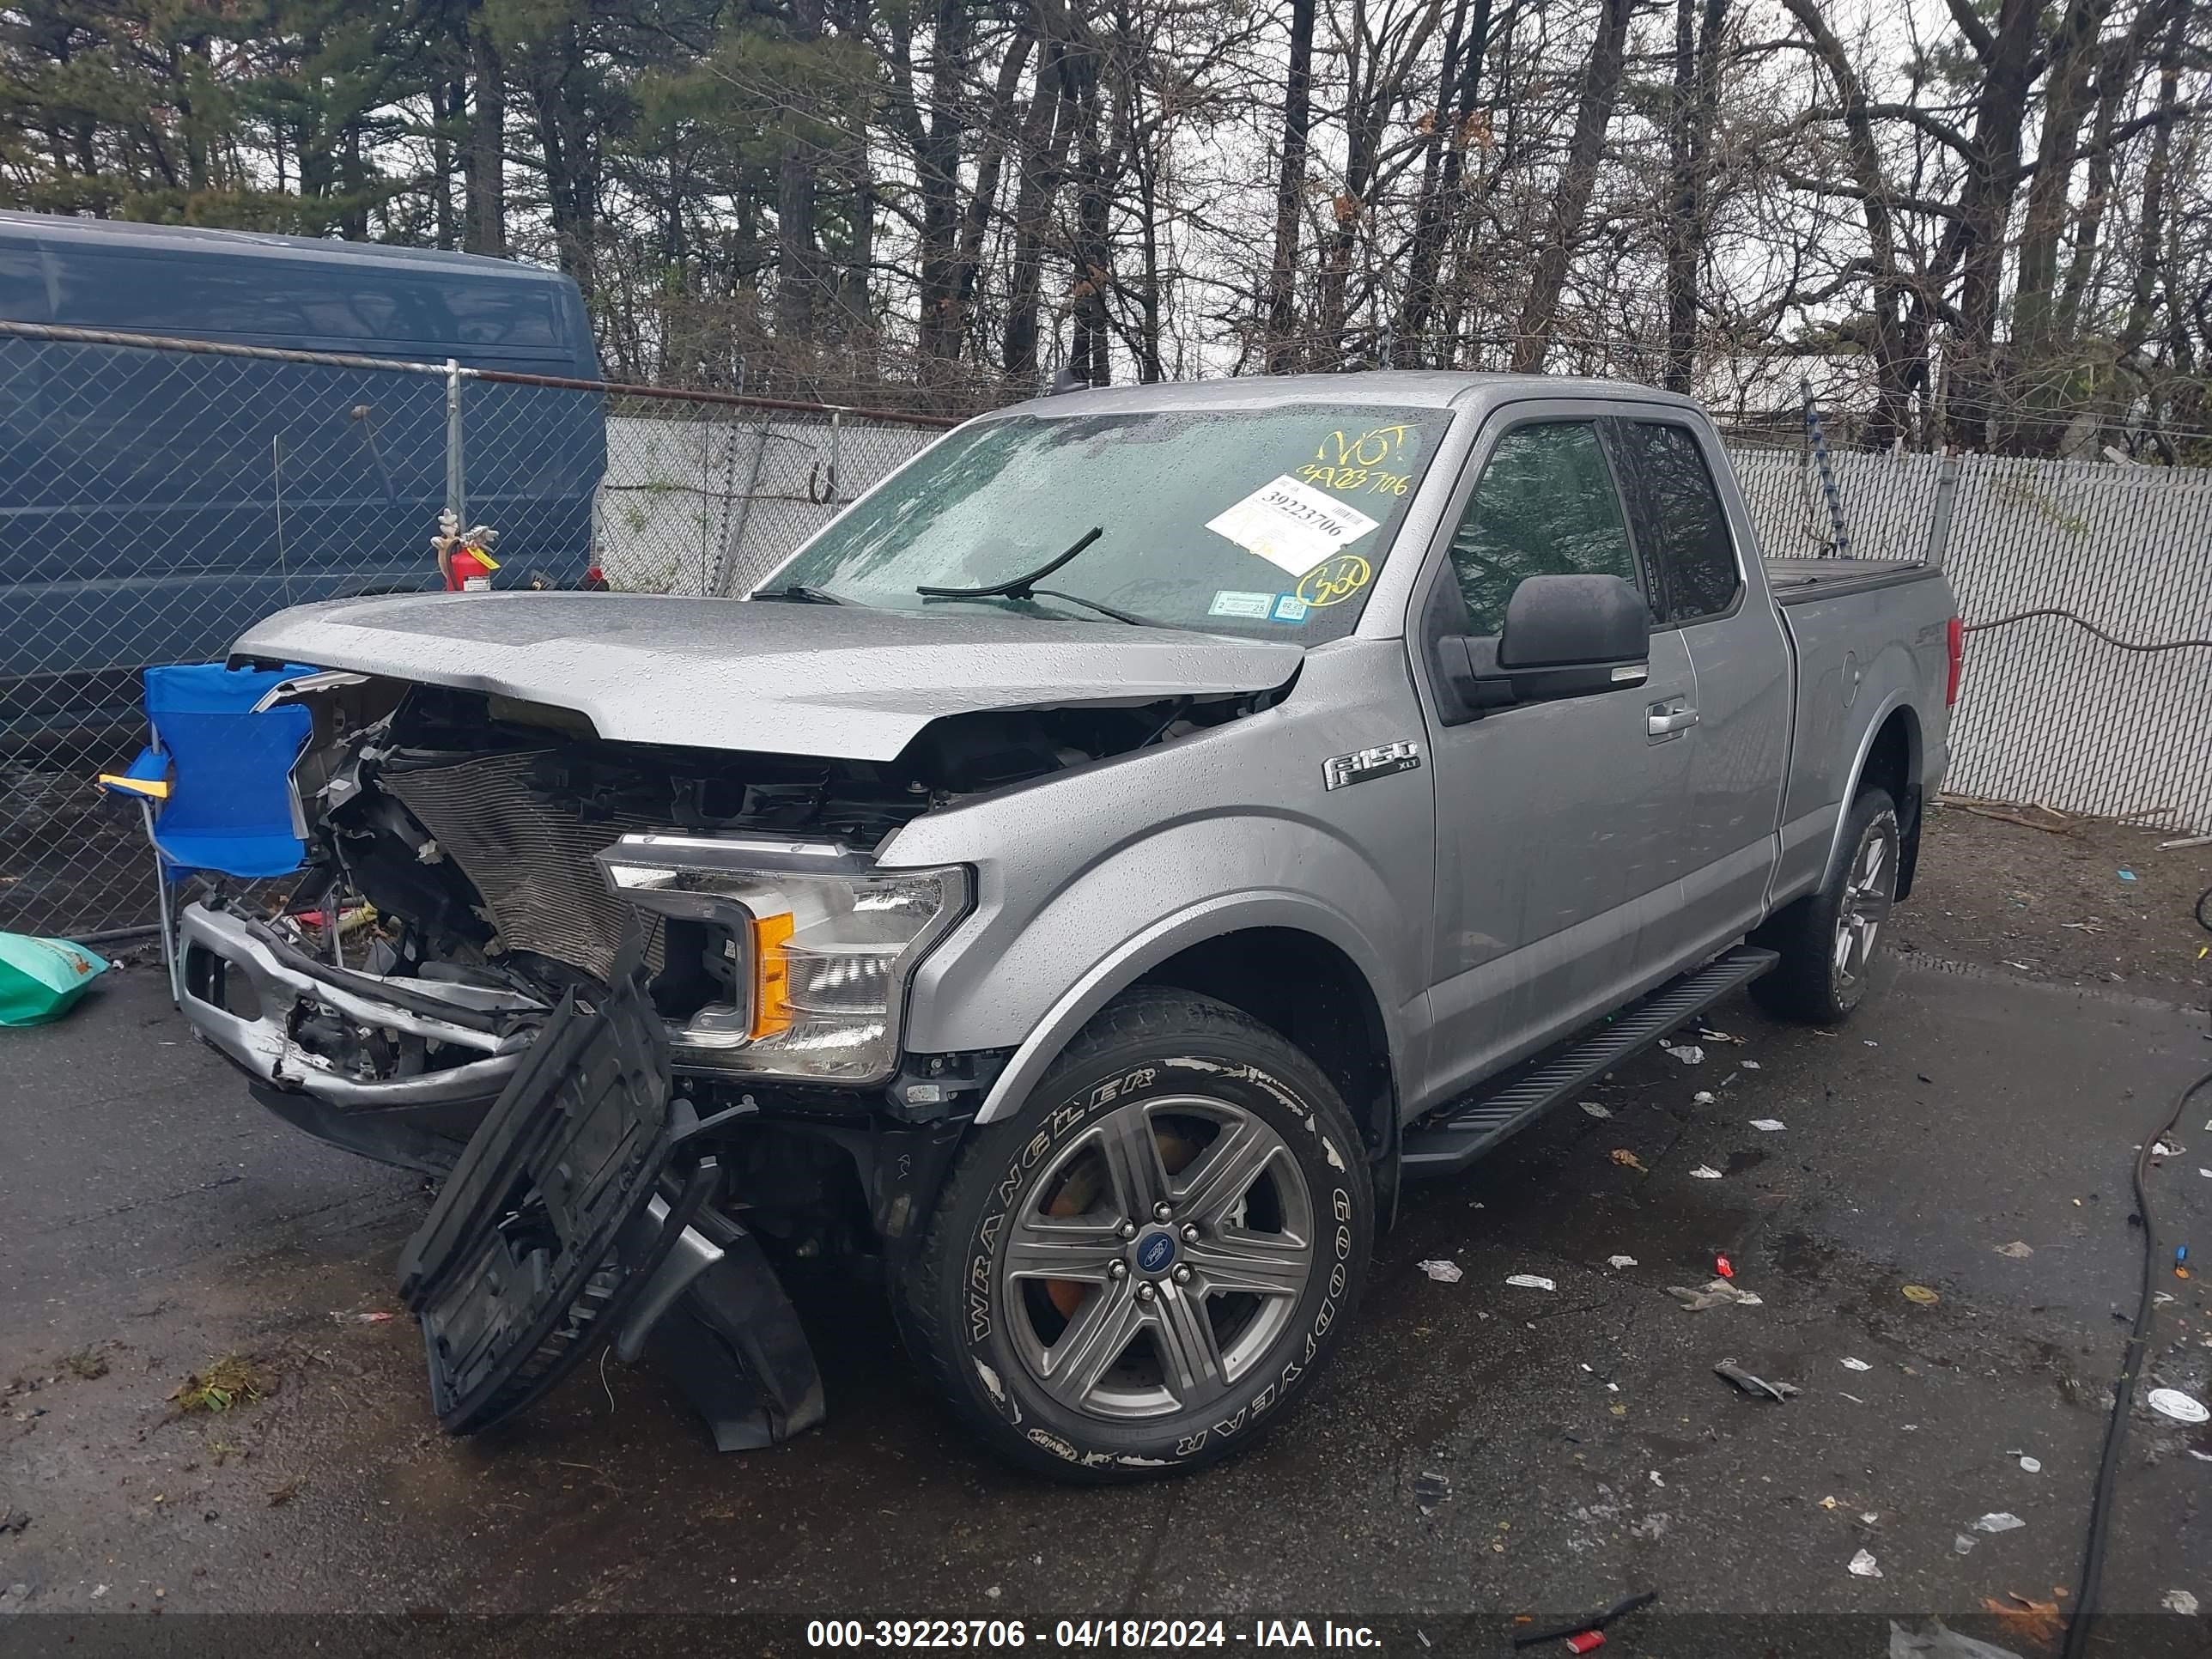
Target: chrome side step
<point>1447,1141</point>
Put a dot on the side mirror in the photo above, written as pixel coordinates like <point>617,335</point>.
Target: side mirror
<point>1563,636</point>
<point>1574,622</point>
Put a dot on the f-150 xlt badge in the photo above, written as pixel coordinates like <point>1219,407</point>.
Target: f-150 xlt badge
<point>1380,762</point>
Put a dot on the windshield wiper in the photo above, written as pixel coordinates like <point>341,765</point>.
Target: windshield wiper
<point>800,593</point>
<point>1020,587</point>
<point>1104,609</point>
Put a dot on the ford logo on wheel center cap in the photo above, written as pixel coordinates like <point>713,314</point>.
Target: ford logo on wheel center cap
<point>1154,1252</point>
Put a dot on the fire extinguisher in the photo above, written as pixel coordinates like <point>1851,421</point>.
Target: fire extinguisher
<point>465,557</point>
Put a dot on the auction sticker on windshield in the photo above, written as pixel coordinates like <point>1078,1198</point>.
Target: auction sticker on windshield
<point>1291,525</point>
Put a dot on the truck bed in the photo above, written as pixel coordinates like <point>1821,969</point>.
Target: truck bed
<point>1796,580</point>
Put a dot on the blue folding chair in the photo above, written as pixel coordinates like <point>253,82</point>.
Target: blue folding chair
<point>213,783</point>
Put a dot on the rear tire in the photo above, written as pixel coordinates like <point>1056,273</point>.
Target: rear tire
<point>1144,1266</point>
<point>1827,939</point>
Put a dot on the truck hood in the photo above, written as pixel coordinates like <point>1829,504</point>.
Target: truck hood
<point>795,679</point>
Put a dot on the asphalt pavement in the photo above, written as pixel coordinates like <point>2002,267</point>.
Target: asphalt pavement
<point>1482,1452</point>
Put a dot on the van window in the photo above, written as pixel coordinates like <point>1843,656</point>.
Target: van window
<point>1688,530</point>
<point>243,297</point>
<point>1544,505</point>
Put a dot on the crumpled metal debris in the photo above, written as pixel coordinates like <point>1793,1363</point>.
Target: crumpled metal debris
<point>1758,1387</point>
<point>1714,1295</point>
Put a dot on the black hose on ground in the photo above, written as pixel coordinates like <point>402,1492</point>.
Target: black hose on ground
<point>2124,1393</point>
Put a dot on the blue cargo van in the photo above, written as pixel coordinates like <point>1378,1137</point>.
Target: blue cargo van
<point>152,504</point>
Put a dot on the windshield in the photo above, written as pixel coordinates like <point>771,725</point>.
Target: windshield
<point>1267,523</point>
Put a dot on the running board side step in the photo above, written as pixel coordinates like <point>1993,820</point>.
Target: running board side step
<point>1447,1141</point>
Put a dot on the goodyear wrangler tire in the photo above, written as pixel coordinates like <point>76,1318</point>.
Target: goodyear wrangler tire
<point>1147,1265</point>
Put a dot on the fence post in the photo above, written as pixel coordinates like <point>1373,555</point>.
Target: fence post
<point>1939,522</point>
<point>456,496</point>
<point>733,542</point>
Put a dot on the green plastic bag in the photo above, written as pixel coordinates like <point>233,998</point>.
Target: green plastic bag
<point>41,979</point>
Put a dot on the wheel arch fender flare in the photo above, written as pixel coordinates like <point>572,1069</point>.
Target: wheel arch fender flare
<point>1166,937</point>
<point>1890,706</point>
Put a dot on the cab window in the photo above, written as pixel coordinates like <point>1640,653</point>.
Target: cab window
<point>1544,505</point>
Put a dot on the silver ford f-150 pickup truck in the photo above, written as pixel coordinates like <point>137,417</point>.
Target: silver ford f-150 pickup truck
<point>1080,886</point>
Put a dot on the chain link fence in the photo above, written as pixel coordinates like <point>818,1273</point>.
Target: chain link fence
<point>157,498</point>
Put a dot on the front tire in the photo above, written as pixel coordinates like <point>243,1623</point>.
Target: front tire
<point>1828,940</point>
<point>1142,1267</point>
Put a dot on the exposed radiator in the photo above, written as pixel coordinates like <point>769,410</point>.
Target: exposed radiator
<point>530,859</point>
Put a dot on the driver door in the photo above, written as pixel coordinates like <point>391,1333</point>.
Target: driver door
<point>1561,825</point>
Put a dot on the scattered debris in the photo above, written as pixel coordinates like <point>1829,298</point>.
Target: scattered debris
<point>1748,1065</point>
<point>2127,875</point>
<point>280,1496</point>
<point>2180,1602</point>
<point>1703,1097</point>
<point>1657,1480</point>
<point>13,1519</point>
<point>2181,1408</point>
<point>2032,1465</point>
<point>1723,1267</point>
<point>99,1590</point>
<point>1756,1386</point>
<point>377,1316</point>
<point>1530,1282</point>
<point>1705,1172</point>
<point>2017,1251</point>
<point>1592,1626</point>
<point>1595,1109</point>
<point>87,1363</point>
<point>1941,1643</point>
<point>1868,1517</point>
<point>1769,1126</point>
<point>1617,1262</point>
<point>1628,1160</point>
<point>1999,1521</point>
<point>1853,1398</point>
<point>2036,1620</point>
<point>1920,1294</point>
<point>1829,1501</point>
<point>1715,1293</point>
<point>1689,1054</point>
<point>1444,1273</point>
<point>230,1382</point>
<point>1863,1565</point>
<point>1430,1489</point>
<point>2168,1149</point>
<point>1962,1543</point>
<point>1851,1364</point>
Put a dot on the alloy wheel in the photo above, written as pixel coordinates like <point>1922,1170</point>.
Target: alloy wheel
<point>1158,1257</point>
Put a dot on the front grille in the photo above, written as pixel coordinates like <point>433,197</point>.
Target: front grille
<point>529,858</point>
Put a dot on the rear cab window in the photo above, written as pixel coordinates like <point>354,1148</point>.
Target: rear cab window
<point>1683,525</point>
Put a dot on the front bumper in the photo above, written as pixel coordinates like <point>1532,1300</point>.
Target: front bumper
<point>245,991</point>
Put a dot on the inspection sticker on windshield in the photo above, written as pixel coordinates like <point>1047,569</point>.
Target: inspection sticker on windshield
<point>1228,602</point>
<point>1291,523</point>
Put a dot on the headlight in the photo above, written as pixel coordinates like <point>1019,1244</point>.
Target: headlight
<point>819,945</point>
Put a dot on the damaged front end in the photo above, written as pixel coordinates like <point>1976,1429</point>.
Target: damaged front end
<point>618,995</point>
